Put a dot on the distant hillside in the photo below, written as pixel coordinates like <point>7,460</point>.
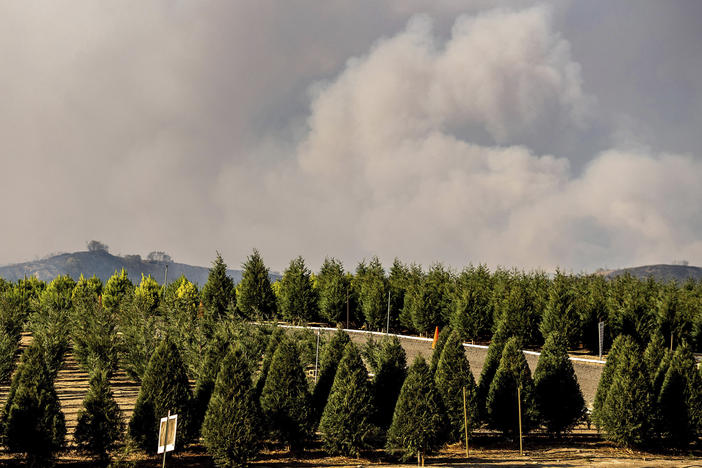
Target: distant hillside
<point>665,273</point>
<point>103,264</point>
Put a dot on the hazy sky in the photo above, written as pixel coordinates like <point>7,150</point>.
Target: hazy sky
<point>531,134</point>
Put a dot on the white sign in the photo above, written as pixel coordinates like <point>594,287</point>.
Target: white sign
<point>167,433</point>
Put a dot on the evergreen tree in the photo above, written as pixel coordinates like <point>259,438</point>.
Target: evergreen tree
<point>490,365</point>
<point>255,297</point>
<point>218,293</point>
<point>632,308</point>
<point>591,304</point>
<point>413,284</point>
<point>520,310</point>
<point>626,415</point>
<point>560,313</point>
<point>32,421</point>
<point>397,284</point>
<point>100,424</point>
<point>285,400</point>
<point>502,408</point>
<point>117,289</point>
<point>232,431</point>
<point>164,387</point>
<point>607,377</point>
<point>347,421</point>
<point>331,354</point>
<point>276,337</point>
<point>679,399</point>
<point>373,296</point>
<point>333,287</point>
<point>453,374</point>
<point>433,305</point>
<point>436,352</point>
<point>298,299</point>
<point>419,419</point>
<point>559,400</point>
<point>390,374</point>
<point>653,355</point>
<point>472,315</point>
<point>12,316</point>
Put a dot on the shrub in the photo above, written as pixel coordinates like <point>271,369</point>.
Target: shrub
<point>559,400</point>
<point>419,419</point>
<point>346,423</point>
<point>232,431</point>
<point>453,374</point>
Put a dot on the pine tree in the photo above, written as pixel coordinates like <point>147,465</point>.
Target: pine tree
<point>373,296</point>
<point>607,377</point>
<point>397,284</point>
<point>419,419</point>
<point>232,431</point>
<point>560,313</point>
<point>436,352</point>
<point>285,400</point>
<point>139,324</point>
<point>164,388</point>
<point>490,365</point>
<point>332,353</point>
<point>32,421</point>
<point>100,424</point>
<point>472,316</point>
<point>559,400</point>
<point>255,296</point>
<point>653,354</point>
<point>333,286</point>
<point>626,415</point>
<point>347,421</point>
<point>413,284</point>
<point>276,337</point>
<point>218,293</point>
<point>118,289</point>
<point>433,305</point>
<point>502,407</point>
<point>12,317</point>
<point>452,375</point>
<point>94,334</point>
<point>298,299</point>
<point>389,376</point>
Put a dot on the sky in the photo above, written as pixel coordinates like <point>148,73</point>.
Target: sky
<point>524,134</point>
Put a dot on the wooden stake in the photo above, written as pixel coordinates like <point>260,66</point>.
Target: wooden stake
<point>465,418</point>
<point>519,409</point>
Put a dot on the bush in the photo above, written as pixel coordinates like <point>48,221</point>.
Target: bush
<point>559,400</point>
<point>330,357</point>
<point>346,423</point>
<point>100,424</point>
<point>32,421</point>
<point>419,419</point>
<point>164,387</point>
<point>502,408</point>
<point>285,400</point>
<point>453,374</point>
<point>232,431</point>
<point>390,374</point>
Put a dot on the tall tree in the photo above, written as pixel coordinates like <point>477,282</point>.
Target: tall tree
<point>374,295</point>
<point>398,278</point>
<point>453,374</point>
<point>490,365</point>
<point>390,374</point>
<point>218,293</point>
<point>333,287</point>
<point>255,296</point>
<point>415,276</point>
<point>472,315</point>
<point>420,418</point>
<point>298,299</point>
<point>433,306</point>
<point>347,421</point>
<point>232,431</point>
<point>332,352</point>
<point>559,400</point>
<point>561,314</point>
<point>276,337</point>
<point>607,377</point>
<point>520,310</point>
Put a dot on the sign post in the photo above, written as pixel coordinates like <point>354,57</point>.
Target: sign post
<point>167,435</point>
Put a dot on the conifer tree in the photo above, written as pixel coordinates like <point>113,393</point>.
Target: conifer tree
<point>232,430</point>
<point>559,401</point>
<point>472,315</point>
<point>397,284</point>
<point>389,376</point>
<point>94,334</point>
<point>490,365</point>
<point>139,324</point>
<point>285,400</point>
<point>560,313</point>
<point>164,388</point>
<point>333,286</point>
<point>607,377</point>
<point>332,353</point>
<point>347,421</point>
<point>502,408</point>
<point>436,352</point>
<point>413,284</point>
<point>100,424</point>
<point>117,289</point>
<point>373,297</point>
<point>276,337</point>
<point>653,354</point>
<point>12,317</point>
<point>419,419</point>
<point>433,305</point>
<point>32,421</point>
<point>679,399</point>
<point>452,375</point>
<point>255,297</point>
<point>218,293</point>
<point>298,299</point>
<point>626,415</point>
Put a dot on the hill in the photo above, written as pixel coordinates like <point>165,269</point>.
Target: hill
<point>665,273</point>
<point>103,264</point>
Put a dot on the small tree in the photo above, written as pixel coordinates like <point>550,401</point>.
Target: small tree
<point>298,299</point>
<point>255,296</point>
<point>453,374</point>
<point>653,355</point>
<point>419,419</point>
<point>436,353</point>
<point>559,400</point>
<point>333,286</point>
<point>276,337</point>
<point>118,289</point>
<point>329,362</point>
<point>389,376</point>
<point>502,408</point>
<point>232,431</point>
<point>490,365</point>
<point>285,400</point>
<point>100,424</point>
<point>607,377</point>
<point>32,421</point>
<point>561,314</point>
<point>164,388</point>
<point>218,293</point>
<point>346,423</point>
<point>139,324</point>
